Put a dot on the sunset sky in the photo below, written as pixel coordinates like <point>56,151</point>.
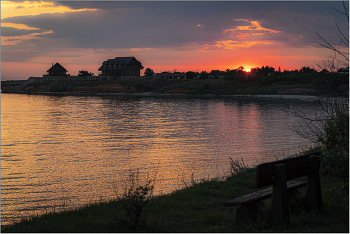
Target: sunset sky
<point>164,36</point>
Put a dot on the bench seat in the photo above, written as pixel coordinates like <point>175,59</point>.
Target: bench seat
<point>262,194</point>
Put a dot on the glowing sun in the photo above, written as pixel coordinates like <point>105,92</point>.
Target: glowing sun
<point>247,70</point>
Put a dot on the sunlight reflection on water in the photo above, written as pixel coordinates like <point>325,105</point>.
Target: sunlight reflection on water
<point>72,150</point>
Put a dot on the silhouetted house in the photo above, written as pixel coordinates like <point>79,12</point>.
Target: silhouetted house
<point>170,75</point>
<point>121,66</point>
<point>56,70</point>
<point>344,70</point>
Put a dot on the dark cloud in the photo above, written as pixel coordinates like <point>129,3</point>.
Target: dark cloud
<point>259,16</point>
<point>125,28</point>
<point>21,52</point>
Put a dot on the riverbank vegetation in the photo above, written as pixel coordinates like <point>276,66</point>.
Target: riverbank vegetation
<point>264,80</point>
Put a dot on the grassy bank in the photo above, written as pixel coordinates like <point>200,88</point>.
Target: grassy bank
<point>189,87</point>
<point>197,208</point>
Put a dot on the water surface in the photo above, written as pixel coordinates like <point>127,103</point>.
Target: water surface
<point>72,150</point>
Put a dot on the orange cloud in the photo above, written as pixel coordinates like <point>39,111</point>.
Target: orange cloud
<point>18,26</point>
<point>255,26</point>
<point>233,45</point>
<point>12,9</point>
<point>243,35</point>
<point>14,40</point>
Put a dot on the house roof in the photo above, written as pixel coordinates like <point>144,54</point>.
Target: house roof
<point>102,68</point>
<point>57,68</point>
<point>123,61</point>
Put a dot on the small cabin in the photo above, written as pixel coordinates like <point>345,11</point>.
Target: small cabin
<point>57,70</point>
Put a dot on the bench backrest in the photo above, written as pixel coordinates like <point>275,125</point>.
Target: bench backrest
<point>295,167</point>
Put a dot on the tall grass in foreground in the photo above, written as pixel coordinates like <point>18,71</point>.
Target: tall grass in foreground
<point>136,195</point>
<point>237,166</point>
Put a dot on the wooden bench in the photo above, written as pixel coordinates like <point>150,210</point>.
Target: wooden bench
<point>278,174</point>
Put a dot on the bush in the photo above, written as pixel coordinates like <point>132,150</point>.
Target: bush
<point>135,197</point>
<point>327,127</point>
<point>204,75</point>
<point>335,153</point>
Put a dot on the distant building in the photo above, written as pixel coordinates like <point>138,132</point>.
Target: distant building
<point>170,76</point>
<point>57,70</point>
<point>121,66</point>
<point>343,70</point>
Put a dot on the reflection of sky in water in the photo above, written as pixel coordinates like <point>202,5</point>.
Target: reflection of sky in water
<point>74,149</point>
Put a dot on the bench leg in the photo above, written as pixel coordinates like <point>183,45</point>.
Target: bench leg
<point>279,210</point>
<point>313,198</point>
<point>263,211</point>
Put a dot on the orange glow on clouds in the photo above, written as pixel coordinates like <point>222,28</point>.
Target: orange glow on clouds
<point>243,35</point>
<point>254,30</point>
<point>14,40</point>
<point>233,45</point>
<point>12,9</point>
<point>255,26</point>
<point>18,26</point>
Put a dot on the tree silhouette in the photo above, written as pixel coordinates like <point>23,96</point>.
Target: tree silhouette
<point>344,40</point>
<point>307,70</point>
<point>85,73</point>
<point>203,75</point>
<point>191,75</point>
<point>149,72</point>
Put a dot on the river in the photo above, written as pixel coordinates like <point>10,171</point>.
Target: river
<point>67,151</point>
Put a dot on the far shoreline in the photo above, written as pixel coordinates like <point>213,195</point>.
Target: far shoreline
<point>149,94</point>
